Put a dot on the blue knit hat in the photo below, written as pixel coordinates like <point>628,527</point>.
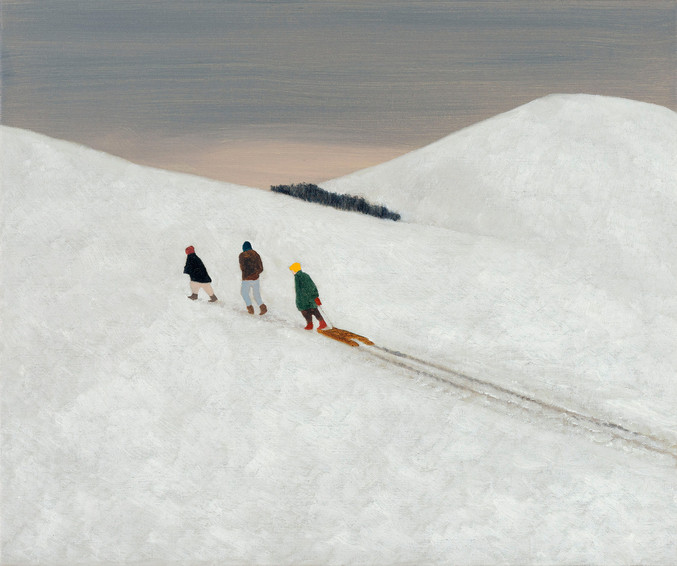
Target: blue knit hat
<point>246,246</point>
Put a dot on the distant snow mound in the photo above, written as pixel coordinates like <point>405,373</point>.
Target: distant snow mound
<point>563,164</point>
<point>577,170</point>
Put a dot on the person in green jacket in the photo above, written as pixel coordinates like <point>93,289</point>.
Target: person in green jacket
<point>307,297</point>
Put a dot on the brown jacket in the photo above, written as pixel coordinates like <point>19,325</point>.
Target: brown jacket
<point>251,265</point>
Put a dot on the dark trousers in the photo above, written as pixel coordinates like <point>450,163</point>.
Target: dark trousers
<point>308,315</point>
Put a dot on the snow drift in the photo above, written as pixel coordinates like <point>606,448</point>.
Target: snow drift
<point>138,426</point>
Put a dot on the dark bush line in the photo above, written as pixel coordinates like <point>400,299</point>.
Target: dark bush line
<point>313,193</point>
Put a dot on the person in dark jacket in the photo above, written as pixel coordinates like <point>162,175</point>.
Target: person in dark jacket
<point>251,267</point>
<point>307,297</point>
<point>199,278</point>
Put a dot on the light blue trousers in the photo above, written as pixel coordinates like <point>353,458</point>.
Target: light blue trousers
<point>246,290</point>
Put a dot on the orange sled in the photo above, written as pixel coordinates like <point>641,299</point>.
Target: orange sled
<point>346,336</point>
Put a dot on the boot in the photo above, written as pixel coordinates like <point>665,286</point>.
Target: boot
<point>213,299</point>
<point>322,325</point>
<point>264,309</point>
<point>309,326</point>
<point>250,309</point>
<point>193,297</point>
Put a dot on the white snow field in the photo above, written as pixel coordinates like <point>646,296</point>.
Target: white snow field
<point>537,253</point>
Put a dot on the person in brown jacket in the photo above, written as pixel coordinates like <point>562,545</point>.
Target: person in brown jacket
<point>251,267</point>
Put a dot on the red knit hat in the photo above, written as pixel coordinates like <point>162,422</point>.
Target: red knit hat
<point>190,250</point>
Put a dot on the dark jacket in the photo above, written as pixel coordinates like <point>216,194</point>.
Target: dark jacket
<point>196,270</point>
<point>306,291</point>
<point>251,265</point>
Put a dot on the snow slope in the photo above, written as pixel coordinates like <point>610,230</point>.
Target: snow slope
<point>544,170</point>
<point>588,177</point>
<point>138,426</point>
<point>584,190</point>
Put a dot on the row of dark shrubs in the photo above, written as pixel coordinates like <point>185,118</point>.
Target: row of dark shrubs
<point>313,193</point>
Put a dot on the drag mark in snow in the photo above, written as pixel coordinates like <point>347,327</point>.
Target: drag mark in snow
<point>505,396</point>
<point>493,392</point>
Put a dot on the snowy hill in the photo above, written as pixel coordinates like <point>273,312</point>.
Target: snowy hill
<point>545,170</point>
<point>588,176</point>
<point>138,426</point>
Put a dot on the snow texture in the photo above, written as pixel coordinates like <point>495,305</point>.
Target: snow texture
<point>537,252</point>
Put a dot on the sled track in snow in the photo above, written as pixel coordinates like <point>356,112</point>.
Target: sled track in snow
<point>504,396</point>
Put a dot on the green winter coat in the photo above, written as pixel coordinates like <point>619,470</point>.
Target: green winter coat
<point>306,292</point>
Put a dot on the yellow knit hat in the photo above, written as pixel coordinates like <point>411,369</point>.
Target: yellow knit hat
<point>295,267</point>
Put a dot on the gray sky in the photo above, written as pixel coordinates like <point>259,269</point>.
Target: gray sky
<point>261,92</point>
